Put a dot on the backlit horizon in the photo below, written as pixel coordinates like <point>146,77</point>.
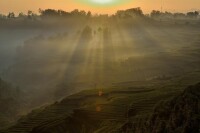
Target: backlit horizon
<point>69,5</point>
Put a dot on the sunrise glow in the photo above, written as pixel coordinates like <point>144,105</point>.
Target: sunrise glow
<point>98,6</point>
<point>102,3</point>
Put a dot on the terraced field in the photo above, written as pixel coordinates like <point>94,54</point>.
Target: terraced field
<point>113,106</point>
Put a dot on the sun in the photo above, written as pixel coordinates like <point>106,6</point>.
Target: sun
<point>102,3</point>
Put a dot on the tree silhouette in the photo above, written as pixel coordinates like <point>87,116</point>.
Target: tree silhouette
<point>179,15</point>
<point>155,13</point>
<point>11,15</point>
<point>2,16</point>
<point>21,15</point>
<point>87,33</point>
<point>63,13</point>
<point>89,14</point>
<point>132,12</point>
<point>193,14</point>
<point>75,12</point>
<point>49,13</point>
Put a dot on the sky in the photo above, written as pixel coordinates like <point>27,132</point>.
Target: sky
<point>98,6</point>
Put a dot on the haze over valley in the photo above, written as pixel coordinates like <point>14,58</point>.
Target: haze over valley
<point>58,68</point>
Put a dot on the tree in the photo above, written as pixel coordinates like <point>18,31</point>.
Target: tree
<point>75,12</point>
<point>11,15</point>
<point>167,14</point>
<point>155,13</point>
<point>87,33</point>
<point>120,13</point>
<point>134,11</point>
<point>2,16</point>
<point>63,13</point>
<point>30,14</point>
<point>179,15</point>
<point>21,15</point>
<point>89,14</point>
<point>130,12</point>
<point>193,14</point>
<point>49,13</point>
<point>82,13</point>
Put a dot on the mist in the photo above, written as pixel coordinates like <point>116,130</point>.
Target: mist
<point>50,57</point>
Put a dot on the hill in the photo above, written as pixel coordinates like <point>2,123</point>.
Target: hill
<point>117,110</point>
<point>10,103</point>
<point>178,115</point>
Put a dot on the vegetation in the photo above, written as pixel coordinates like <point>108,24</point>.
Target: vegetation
<point>180,114</point>
<point>132,12</point>
<point>117,110</point>
<point>10,102</point>
<point>80,72</point>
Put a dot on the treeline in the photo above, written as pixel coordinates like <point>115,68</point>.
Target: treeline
<point>166,14</point>
<point>155,14</point>
<point>47,13</point>
<point>132,12</point>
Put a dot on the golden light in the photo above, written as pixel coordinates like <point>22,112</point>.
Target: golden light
<point>100,92</point>
<point>98,108</point>
<point>102,3</point>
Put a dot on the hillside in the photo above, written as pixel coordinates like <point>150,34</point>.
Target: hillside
<point>117,110</point>
<point>10,103</point>
<point>178,115</point>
